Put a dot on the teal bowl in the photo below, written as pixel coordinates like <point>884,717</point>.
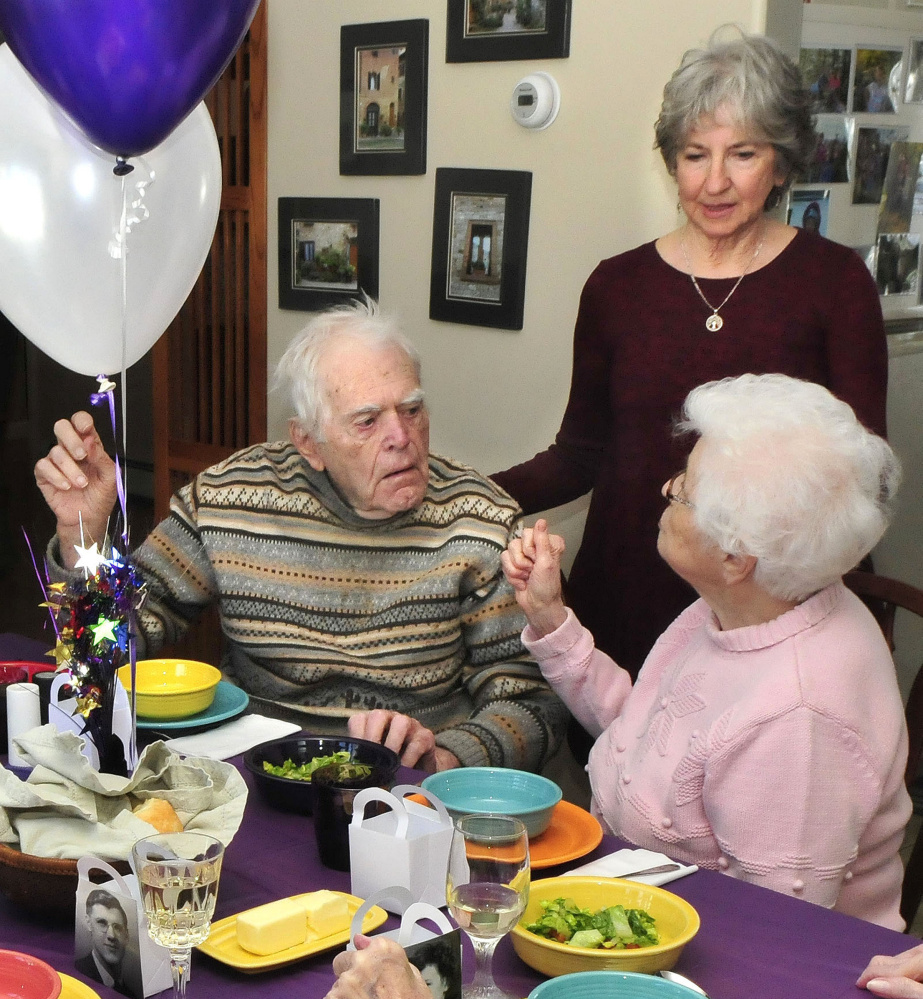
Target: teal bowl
<point>476,790</point>
<point>608,984</point>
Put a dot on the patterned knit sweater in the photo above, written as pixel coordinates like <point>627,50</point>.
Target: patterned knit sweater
<point>327,613</point>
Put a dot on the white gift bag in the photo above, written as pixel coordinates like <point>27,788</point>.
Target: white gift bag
<point>143,968</point>
<point>408,845</point>
<point>437,954</point>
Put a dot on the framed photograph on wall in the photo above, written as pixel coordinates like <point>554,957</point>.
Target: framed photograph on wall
<point>383,84</point>
<point>498,30</point>
<point>328,251</point>
<point>877,86</point>
<point>809,208</point>
<point>480,242</point>
<point>826,73</point>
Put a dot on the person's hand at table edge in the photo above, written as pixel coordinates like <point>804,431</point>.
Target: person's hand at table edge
<point>377,969</point>
<point>411,740</point>
<point>898,976</point>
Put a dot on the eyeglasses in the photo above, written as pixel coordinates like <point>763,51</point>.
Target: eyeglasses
<point>675,497</point>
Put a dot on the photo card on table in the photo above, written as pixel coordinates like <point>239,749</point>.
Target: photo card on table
<point>383,97</point>
<point>877,84</point>
<point>487,31</point>
<point>826,73</point>
<point>328,251</point>
<point>480,244</point>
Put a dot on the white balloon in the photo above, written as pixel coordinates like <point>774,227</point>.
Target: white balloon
<point>63,222</point>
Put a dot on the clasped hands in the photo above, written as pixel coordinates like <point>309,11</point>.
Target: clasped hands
<point>532,564</point>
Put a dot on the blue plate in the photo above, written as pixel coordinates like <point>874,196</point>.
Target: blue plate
<point>229,702</point>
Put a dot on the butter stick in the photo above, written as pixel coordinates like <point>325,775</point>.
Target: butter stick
<point>327,913</point>
<point>273,927</point>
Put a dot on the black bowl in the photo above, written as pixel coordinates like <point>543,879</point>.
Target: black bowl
<point>292,795</point>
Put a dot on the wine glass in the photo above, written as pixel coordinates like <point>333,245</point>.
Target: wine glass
<point>178,874</point>
<point>487,888</point>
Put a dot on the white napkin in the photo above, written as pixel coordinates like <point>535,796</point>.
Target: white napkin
<point>622,861</point>
<point>234,738</point>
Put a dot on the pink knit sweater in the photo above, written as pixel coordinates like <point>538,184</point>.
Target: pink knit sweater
<point>774,753</point>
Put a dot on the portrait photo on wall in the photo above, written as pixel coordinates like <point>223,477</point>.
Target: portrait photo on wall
<point>877,85</point>
<point>480,242</point>
<point>383,92</point>
<point>830,164</point>
<point>500,30</point>
<point>871,161</point>
<point>901,180</point>
<point>106,944</point>
<point>439,961</point>
<point>809,210</point>
<point>328,251</point>
<point>826,73</point>
<point>898,263</point>
<point>913,88</point>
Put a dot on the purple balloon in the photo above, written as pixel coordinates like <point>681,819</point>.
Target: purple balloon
<point>126,71</point>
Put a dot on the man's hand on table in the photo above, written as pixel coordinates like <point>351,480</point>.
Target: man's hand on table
<point>377,969</point>
<point>897,976</point>
<point>413,742</point>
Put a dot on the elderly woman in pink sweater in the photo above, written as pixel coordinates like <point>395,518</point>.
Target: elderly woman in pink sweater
<point>764,736</point>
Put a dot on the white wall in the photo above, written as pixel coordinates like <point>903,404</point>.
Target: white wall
<point>598,188</point>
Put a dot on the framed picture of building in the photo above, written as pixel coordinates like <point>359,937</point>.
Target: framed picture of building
<point>497,30</point>
<point>383,83</point>
<point>480,241</point>
<point>328,251</point>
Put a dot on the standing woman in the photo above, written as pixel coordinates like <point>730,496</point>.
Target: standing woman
<point>730,291</point>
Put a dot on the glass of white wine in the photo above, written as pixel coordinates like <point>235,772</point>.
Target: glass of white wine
<point>178,874</point>
<point>487,888</point>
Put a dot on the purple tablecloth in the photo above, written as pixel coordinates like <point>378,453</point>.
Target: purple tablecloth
<point>752,943</point>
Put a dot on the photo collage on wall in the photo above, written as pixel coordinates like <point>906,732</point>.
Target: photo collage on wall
<point>856,90</point>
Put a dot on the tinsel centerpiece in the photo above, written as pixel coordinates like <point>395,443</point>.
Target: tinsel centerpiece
<point>94,618</point>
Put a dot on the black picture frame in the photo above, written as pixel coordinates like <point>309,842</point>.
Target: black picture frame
<point>547,39</point>
<point>368,69</point>
<point>480,245</point>
<point>347,227</point>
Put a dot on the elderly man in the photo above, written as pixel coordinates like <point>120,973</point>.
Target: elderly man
<point>357,576</point>
<point>108,928</point>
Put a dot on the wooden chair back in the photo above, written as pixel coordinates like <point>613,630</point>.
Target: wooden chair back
<point>884,596</point>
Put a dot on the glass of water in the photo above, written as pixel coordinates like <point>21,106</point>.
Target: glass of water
<point>178,874</point>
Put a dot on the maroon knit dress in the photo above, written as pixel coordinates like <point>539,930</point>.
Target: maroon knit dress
<point>640,345</point>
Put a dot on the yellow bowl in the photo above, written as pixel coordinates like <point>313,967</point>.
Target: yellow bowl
<point>172,688</point>
<point>676,921</point>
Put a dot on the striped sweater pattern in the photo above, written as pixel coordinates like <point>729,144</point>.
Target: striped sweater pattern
<point>326,613</point>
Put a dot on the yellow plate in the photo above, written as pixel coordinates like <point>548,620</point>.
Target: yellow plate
<point>676,922</point>
<point>223,946</point>
<point>73,988</point>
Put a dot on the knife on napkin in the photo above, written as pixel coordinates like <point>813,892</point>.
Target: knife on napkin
<point>622,862</point>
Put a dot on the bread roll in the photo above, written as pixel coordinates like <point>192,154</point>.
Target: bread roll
<point>160,814</point>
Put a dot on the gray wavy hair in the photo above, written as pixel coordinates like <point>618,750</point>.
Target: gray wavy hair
<point>298,371</point>
<point>758,84</point>
<point>787,474</point>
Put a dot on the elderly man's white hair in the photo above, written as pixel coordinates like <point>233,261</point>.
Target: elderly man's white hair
<point>298,371</point>
<point>787,474</point>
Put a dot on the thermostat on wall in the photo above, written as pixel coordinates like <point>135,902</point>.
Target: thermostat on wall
<point>535,101</point>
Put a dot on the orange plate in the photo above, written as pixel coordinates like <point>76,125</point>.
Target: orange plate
<point>573,833</point>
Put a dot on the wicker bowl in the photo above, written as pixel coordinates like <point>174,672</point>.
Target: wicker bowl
<point>44,885</point>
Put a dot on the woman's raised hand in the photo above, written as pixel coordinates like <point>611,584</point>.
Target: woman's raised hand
<point>532,564</point>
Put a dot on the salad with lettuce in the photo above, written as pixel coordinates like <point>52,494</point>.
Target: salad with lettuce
<point>614,927</point>
<point>303,771</point>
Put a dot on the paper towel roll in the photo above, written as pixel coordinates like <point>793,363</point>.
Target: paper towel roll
<point>23,713</point>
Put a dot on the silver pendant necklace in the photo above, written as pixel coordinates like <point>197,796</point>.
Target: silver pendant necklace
<point>714,321</point>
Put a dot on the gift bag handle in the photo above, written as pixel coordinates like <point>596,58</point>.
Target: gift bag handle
<point>87,864</point>
<point>416,913</point>
<point>405,790</point>
<point>396,893</point>
<point>379,794</point>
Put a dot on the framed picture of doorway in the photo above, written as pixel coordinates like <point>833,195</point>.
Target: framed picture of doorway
<point>328,251</point>
<point>383,90</point>
<point>480,242</point>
